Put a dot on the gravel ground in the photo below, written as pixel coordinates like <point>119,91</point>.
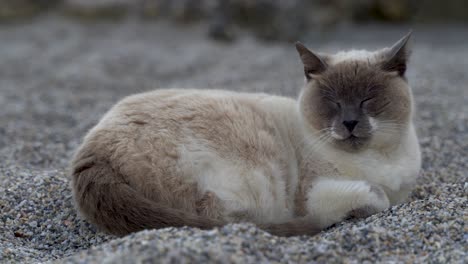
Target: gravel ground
<point>57,78</point>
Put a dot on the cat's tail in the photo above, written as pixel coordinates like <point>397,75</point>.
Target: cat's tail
<point>107,201</point>
<point>297,227</point>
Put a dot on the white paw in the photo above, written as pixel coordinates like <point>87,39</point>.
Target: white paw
<point>375,200</point>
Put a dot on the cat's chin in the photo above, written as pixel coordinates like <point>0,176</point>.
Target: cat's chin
<point>352,143</point>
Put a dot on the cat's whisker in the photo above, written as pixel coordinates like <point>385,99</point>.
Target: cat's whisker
<point>390,124</point>
<point>318,143</point>
<point>312,144</point>
<point>323,142</point>
<point>390,128</point>
<point>313,137</point>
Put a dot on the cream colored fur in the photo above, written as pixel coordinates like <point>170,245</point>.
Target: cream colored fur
<point>258,187</point>
<point>229,157</point>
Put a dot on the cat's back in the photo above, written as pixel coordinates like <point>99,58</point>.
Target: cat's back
<point>180,107</point>
<point>181,103</point>
<point>163,124</point>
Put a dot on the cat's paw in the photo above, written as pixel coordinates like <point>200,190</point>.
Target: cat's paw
<point>374,201</point>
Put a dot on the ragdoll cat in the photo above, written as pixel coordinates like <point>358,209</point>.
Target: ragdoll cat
<point>203,158</point>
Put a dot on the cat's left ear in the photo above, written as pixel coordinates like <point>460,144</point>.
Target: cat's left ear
<point>313,64</point>
<point>396,58</point>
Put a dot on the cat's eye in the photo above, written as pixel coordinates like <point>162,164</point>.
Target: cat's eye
<point>333,102</point>
<point>365,100</point>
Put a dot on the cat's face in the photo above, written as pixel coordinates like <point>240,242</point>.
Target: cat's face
<point>355,99</point>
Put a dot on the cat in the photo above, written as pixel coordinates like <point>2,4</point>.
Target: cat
<point>347,147</point>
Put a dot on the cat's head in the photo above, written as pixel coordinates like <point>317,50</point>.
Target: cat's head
<point>358,98</point>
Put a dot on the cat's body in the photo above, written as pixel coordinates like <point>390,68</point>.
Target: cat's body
<point>207,157</point>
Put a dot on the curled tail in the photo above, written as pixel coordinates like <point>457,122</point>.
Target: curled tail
<point>114,206</point>
<point>117,208</point>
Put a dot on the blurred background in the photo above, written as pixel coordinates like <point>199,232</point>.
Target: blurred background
<point>63,63</point>
<point>266,19</point>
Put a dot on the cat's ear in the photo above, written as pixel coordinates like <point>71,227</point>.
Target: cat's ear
<point>313,64</point>
<point>396,58</point>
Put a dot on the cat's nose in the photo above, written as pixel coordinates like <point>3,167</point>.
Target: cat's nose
<point>350,124</point>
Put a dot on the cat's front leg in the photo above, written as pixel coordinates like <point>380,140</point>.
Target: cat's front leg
<point>332,200</point>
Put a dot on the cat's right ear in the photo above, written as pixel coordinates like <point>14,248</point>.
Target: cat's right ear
<point>397,56</point>
<point>313,64</point>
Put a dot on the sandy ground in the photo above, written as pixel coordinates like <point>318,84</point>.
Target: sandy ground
<point>57,78</point>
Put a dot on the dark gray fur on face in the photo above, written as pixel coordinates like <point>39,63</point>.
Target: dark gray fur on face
<point>344,96</point>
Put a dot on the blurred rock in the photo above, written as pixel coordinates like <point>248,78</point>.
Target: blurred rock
<point>375,10</point>
<point>220,29</point>
<point>20,9</point>
<point>441,11</point>
<point>186,11</point>
<point>266,19</point>
<point>396,10</point>
<point>269,20</point>
<point>153,8</point>
<point>97,9</point>
<point>273,20</point>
